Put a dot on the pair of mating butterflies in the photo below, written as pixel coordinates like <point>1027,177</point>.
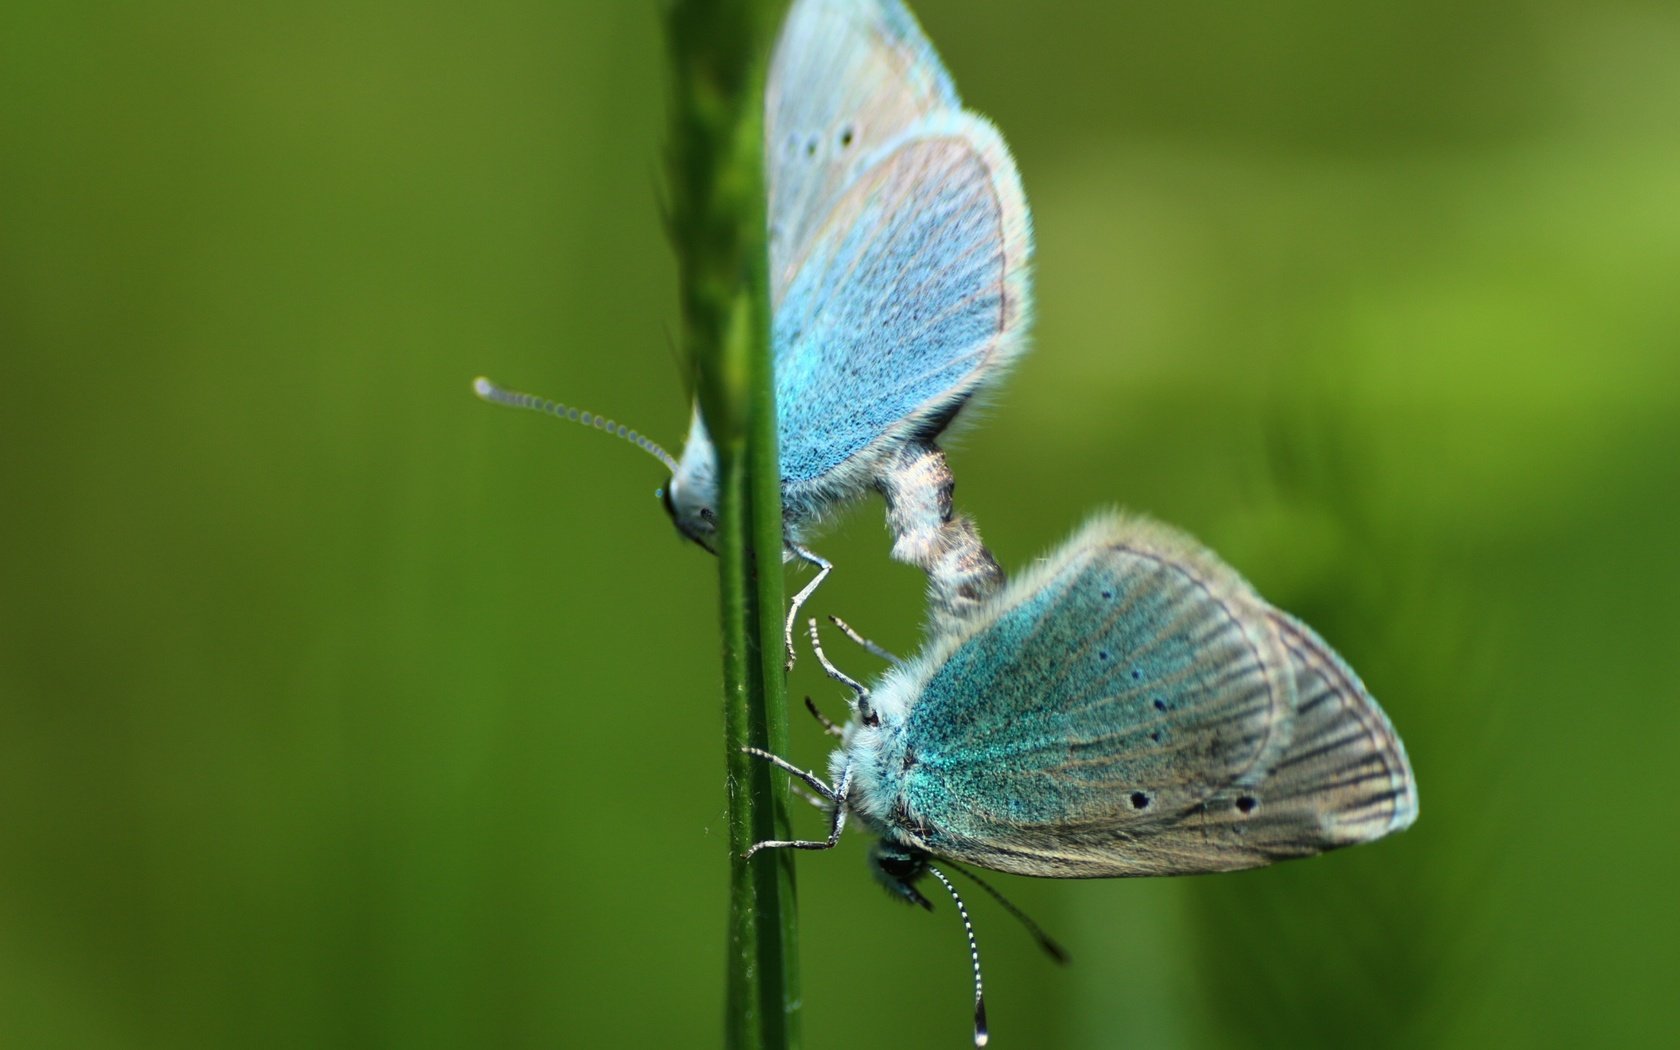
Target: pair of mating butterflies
<point>1130,706</point>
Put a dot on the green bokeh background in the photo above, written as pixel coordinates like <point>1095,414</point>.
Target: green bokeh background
<point>339,709</point>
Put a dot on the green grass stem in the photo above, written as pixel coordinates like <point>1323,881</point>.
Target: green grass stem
<point>718,55</point>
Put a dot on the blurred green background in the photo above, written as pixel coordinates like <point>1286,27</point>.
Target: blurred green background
<point>340,709</point>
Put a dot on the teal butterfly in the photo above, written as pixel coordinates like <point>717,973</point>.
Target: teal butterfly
<point>1130,706</point>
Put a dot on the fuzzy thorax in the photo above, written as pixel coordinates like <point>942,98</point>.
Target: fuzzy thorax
<point>875,755</point>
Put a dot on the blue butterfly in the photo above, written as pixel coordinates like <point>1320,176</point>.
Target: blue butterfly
<point>1130,706</point>
<point>899,243</point>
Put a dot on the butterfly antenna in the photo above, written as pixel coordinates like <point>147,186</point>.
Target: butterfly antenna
<point>980,1033</point>
<point>496,395</point>
<point>1050,945</point>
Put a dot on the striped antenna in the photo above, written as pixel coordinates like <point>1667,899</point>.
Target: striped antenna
<point>1050,945</point>
<point>981,1035</point>
<point>496,395</point>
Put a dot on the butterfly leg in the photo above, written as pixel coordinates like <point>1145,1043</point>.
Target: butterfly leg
<point>810,797</point>
<point>836,793</point>
<point>823,720</point>
<point>823,565</point>
<point>785,766</point>
<point>859,693</point>
<point>868,646</point>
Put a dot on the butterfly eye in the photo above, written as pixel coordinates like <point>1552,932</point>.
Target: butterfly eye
<point>707,516</point>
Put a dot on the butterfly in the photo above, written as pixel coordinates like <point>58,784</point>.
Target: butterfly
<point>899,241</point>
<point>1130,706</point>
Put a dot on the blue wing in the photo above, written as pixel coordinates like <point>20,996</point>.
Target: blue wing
<point>899,240</point>
<point>847,77</point>
<point>1132,707</point>
<point>912,295</point>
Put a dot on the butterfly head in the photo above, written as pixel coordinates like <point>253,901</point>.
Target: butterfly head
<point>897,867</point>
<point>690,497</point>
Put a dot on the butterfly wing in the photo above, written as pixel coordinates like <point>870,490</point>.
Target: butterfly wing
<point>847,77</point>
<point>1134,708</point>
<point>899,241</point>
<point>1344,778</point>
<point>913,294</point>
